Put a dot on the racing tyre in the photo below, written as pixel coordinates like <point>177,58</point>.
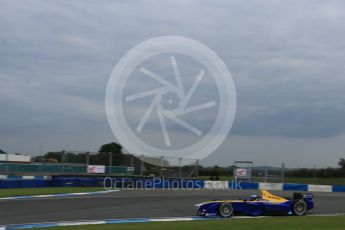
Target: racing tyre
<point>299,208</point>
<point>225,210</point>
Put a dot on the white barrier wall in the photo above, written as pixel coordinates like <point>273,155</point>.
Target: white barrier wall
<point>15,158</point>
<point>216,185</point>
<point>271,186</point>
<point>319,188</point>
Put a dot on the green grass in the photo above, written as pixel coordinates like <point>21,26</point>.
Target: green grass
<point>45,191</point>
<point>297,180</point>
<point>277,223</point>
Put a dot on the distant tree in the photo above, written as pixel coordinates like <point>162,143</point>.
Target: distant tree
<point>38,159</point>
<point>115,150</point>
<point>57,156</point>
<point>102,158</point>
<point>341,163</point>
<point>111,148</point>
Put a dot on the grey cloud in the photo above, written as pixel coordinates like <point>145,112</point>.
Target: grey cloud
<point>286,58</point>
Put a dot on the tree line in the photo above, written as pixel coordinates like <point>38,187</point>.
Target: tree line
<point>118,158</point>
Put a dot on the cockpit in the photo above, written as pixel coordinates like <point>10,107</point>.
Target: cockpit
<point>256,198</point>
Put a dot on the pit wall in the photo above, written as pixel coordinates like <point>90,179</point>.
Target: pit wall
<point>152,183</point>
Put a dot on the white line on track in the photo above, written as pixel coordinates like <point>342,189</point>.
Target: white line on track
<point>328,214</point>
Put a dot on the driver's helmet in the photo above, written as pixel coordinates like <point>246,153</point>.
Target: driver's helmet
<point>253,197</point>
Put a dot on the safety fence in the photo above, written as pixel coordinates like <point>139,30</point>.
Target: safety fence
<point>73,169</point>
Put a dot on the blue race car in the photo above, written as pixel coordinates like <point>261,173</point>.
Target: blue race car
<point>265,204</point>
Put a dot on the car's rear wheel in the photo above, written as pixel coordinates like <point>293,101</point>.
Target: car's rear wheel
<point>225,210</point>
<point>299,208</point>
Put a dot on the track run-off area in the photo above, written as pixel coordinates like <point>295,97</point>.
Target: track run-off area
<point>137,204</point>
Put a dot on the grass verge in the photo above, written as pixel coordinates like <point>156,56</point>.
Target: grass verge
<point>277,223</point>
<point>45,191</point>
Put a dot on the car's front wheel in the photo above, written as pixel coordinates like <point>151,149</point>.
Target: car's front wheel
<point>299,208</point>
<point>225,210</point>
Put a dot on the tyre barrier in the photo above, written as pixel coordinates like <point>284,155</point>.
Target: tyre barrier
<point>295,187</point>
<point>159,183</point>
<point>5,177</point>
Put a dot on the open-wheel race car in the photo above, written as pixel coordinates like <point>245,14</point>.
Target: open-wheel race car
<point>256,205</point>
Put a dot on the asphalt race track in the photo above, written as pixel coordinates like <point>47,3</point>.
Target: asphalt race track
<point>135,204</point>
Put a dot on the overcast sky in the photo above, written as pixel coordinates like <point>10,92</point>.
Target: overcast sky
<point>287,59</point>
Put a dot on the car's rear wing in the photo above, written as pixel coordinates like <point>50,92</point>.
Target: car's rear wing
<point>299,196</point>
